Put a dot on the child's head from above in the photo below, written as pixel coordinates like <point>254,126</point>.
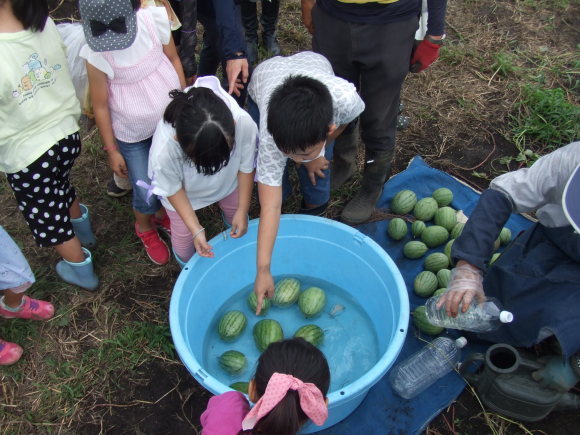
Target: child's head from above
<point>301,360</point>
<point>31,13</point>
<point>109,25</point>
<point>300,117</point>
<point>204,127</point>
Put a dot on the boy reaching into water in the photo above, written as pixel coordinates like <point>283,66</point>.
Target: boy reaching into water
<point>300,107</point>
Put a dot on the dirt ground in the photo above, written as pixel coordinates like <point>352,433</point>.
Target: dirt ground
<point>460,111</point>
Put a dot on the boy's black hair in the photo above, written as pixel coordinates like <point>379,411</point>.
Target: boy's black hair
<point>204,126</point>
<point>298,358</point>
<point>31,13</point>
<point>299,114</point>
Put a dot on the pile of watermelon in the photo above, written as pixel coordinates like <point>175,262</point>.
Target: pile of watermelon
<point>232,324</point>
<point>445,228</point>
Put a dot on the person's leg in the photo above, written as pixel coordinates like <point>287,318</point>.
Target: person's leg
<point>384,52</point>
<point>209,57</point>
<point>250,22</point>
<point>145,204</point>
<point>269,19</point>
<point>315,197</point>
<point>15,278</point>
<point>229,205</point>
<point>181,238</point>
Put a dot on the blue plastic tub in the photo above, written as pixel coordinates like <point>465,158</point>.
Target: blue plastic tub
<point>307,246</point>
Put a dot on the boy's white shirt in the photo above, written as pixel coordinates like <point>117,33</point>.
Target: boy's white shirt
<point>268,75</point>
<point>169,169</point>
<point>132,55</point>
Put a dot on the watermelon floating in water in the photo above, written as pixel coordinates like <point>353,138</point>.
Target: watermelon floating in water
<point>286,292</point>
<point>311,333</point>
<point>231,325</point>
<point>233,362</point>
<point>267,331</point>
<point>312,301</point>
<point>253,304</point>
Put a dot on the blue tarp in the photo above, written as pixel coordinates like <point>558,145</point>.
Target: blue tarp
<point>382,411</point>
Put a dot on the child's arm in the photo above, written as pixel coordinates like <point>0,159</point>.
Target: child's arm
<point>240,220</point>
<point>181,203</point>
<point>100,99</point>
<point>171,53</point>
<point>270,209</point>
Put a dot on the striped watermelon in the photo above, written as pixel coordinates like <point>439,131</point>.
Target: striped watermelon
<point>403,202</point>
<point>286,292</point>
<point>436,261</point>
<point>253,304</point>
<point>457,230</point>
<point>267,331</point>
<point>311,333</point>
<point>425,284</point>
<point>397,228</point>
<point>312,301</point>
<point>242,387</point>
<point>434,236</point>
<point>231,325</point>
<point>443,277</point>
<point>443,196</point>
<point>414,249</point>
<point>446,218</point>
<point>417,228</point>
<point>233,362</point>
<point>425,209</point>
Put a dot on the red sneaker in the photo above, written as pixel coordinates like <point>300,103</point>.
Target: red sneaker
<point>155,247</point>
<point>9,353</point>
<point>163,224</point>
<point>31,309</point>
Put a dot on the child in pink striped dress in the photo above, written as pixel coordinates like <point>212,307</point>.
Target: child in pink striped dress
<point>132,65</point>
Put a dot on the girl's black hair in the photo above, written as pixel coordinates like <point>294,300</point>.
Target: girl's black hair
<point>136,4</point>
<point>298,358</point>
<point>204,126</point>
<point>31,13</point>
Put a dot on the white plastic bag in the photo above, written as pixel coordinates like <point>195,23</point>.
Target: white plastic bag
<point>74,38</point>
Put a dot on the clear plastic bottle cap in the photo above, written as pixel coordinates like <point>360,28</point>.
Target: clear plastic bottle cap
<point>461,342</point>
<point>506,317</point>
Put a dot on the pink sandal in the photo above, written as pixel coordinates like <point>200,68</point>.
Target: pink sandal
<point>9,353</point>
<point>31,309</point>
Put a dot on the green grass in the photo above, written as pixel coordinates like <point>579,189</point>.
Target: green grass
<point>544,117</point>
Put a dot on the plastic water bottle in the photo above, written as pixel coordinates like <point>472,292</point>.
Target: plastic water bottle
<point>479,317</point>
<point>418,372</point>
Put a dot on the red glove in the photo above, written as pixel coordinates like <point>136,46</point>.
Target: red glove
<point>424,55</point>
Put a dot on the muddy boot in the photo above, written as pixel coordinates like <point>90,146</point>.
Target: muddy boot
<point>269,19</point>
<point>343,164</point>
<point>82,228</point>
<point>250,22</point>
<point>80,274</point>
<point>377,170</point>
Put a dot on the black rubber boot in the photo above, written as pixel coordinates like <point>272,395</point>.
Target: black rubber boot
<point>343,164</point>
<point>269,19</point>
<point>250,22</point>
<point>316,211</point>
<point>377,170</point>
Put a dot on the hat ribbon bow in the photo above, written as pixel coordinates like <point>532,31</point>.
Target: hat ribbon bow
<point>118,25</point>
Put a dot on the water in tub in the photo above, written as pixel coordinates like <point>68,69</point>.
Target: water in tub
<point>350,341</point>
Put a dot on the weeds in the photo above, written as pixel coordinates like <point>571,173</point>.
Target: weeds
<point>544,117</point>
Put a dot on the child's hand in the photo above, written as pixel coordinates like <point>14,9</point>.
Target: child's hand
<point>117,163</point>
<point>202,247</point>
<point>315,168</point>
<point>239,224</point>
<point>264,288</point>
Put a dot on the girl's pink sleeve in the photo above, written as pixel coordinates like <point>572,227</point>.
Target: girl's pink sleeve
<point>224,414</point>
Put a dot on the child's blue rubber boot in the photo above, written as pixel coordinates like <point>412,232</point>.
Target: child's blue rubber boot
<point>82,228</point>
<point>179,260</point>
<point>80,274</point>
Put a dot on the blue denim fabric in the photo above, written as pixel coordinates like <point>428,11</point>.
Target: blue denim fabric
<point>314,195</point>
<point>136,157</point>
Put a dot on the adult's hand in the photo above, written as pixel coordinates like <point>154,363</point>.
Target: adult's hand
<point>424,54</point>
<point>307,6</point>
<point>315,168</point>
<point>465,285</point>
<point>264,288</point>
<point>238,72</point>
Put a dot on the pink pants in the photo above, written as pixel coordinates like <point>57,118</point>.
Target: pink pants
<point>181,237</point>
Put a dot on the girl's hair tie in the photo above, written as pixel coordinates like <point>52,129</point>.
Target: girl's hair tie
<point>311,400</point>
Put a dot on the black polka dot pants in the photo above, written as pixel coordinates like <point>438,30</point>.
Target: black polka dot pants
<point>44,193</point>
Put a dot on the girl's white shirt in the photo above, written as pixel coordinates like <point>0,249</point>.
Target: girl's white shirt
<point>170,170</point>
